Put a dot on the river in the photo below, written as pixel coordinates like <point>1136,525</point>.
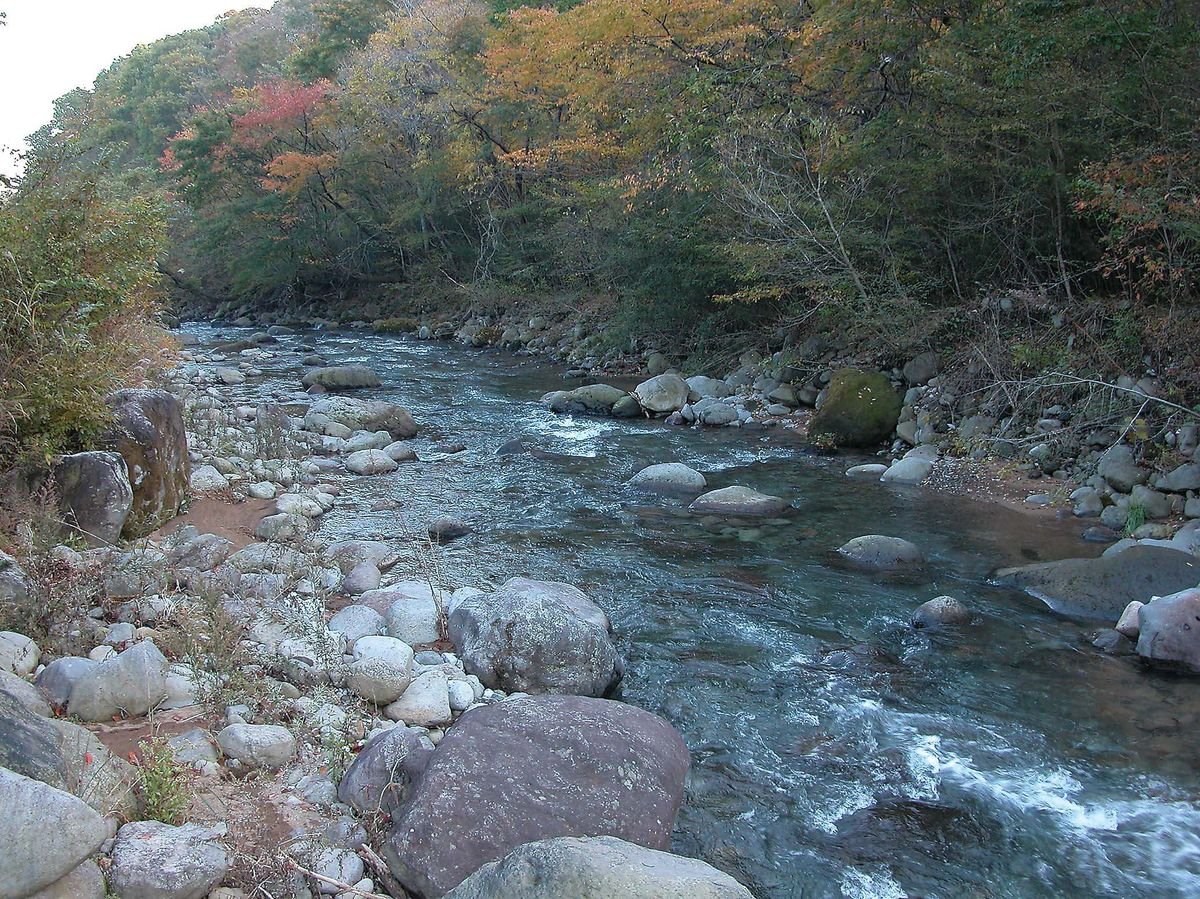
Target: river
<point>836,751</point>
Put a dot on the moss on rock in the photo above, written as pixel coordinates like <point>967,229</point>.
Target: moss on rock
<point>861,409</point>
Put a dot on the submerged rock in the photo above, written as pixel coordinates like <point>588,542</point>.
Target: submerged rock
<point>738,501</point>
<point>341,377</point>
<point>941,611</point>
<point>882,553</point>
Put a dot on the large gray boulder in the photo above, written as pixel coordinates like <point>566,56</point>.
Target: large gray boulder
<point>149,433</point>
<point>596,868</point>
<point>341,377</point>
<point>258,745</point>
<point>669,477</point>
<point>1101,588</point>
<point>536,637</point>
<point>664,393</point>
<point>738,502</point>
<point>370,461</point>
<point>45,834</point>
<point>383,772</point>
<point>531,769</point>
<point>1118,468</point>
<point>1169,630</point>
<point>152,860</point>
<point>881,553</point>
<point>94,495</point>
<point>596,399</point>
<point>361,415</point>
<point>130,684</point>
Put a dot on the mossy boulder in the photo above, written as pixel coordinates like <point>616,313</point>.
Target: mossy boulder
<point>860,410</point>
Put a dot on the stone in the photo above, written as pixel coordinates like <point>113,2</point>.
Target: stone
<point>1182,479</point>
<point>364,415</point>
<point>230,376</point>
<point>262,490</point>
<point>412,611</point>
<point>1127,624</point>
<point>531,769</point>
<point>597,399</point>
<point>1118,468</point>
<point>1169,630</point>
<point>941,611</point>
<point>596,868</point>
<point>536,637</point>
<point>340,865</point>
<point>269,557</point>
<point>14,582</point>
<point>127,685</point>
<point>718,415</point>
<point>152,860</point>
<point>295,504</point>
<point>46,833</point>
<point>25,693</point>
<point>377,676</point>
<point>18,653</point>
<point>148,431</point>
<point>907,471</point>
<point>193,747</point>
<point>341,377</point>
<point>445,529</point>
<point>94,495</point>
<point>371,461</point>
<point>860,410</point>
<point>881,553</point>
<point>383,772</point>
<point>399,452</point>
<point>657,364</point>
<point>206,479</point>
<point>920,369</point>
<point>700,386</point>
<point>58,679</point>
<point>627,407</point>
<point>357,621</point>
<point>425,703</point>
<point>345,554</point>
<point>738,501</point>
<point>258,745</point>
<point>282,527</point>
<point>669,477</point>
<point>362,577</point>
<point>1102,588</point>
<point>204,552</point>
<point>870,471</point>
<point>1153,503</point>
<point>85,881</point>
<point>662,393</point>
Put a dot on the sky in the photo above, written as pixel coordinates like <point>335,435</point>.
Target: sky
<point>50,47</point>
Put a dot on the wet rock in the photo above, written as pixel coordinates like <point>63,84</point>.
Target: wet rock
<point>871,471</point>
<point>669,477</point>
<point>46,833</point>
<point>1112,642</point>
<point>341,377</point>
<point>882,553</point>
<point>596,868</point>
<point>941,611</point>
<point>149,433</point>
<point>152,860</point>
<point>258,745</point>
<point>555,766</point>
<point>597,399</point>
<point>662,393</point>
<point>1169,630</point>
<point>738,501</point>
<point>536,637</point>
<point>627,407</point>
<point>399,452</point>
<point>130,684</point>
<point>1103,587</point>
<point>383,772</point>
<point>445,529</point>
<point>95,496</point>
<point>860,409</point>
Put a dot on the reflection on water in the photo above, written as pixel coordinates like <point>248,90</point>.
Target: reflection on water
<point>836,751</point>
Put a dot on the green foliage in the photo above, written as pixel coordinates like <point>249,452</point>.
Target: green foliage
<point>162,783</point>
<point>1135,519</point>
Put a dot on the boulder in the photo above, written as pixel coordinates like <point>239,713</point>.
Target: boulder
<point>1181,479</point>
<point>14,582</point>
<point>532,769</point>
<point>94,495</point>
<point>860,409</point>
<point>25,693</point>
<point>129,684</point>
<point>356,621</point>
<point>669,477</point>
<point>536,637</point>
<point>1118,468</point>
<point>880,553</point>
<point>700,386</point>
<point>18,653</point>
<point>426,702</point>
<point>596,868</point>
<point>258,745</point>
<point>412,611</point>
<point>341,377</point>
<point>152,860</point>
<point>738,502</point>
<point>371,461</point>
<point>1169,630</point>
<point>921,368</point>
<point>597,399</point>
<point>58,679</point>
<point>1103,587</point>
<point>364,415</point>
<point>383,772</point>
<point>907,471</point>
<point>149,433</point>
<point>662,393</point>
<point>941,611</point>
<point>85,881</point>
<point>46,833</point>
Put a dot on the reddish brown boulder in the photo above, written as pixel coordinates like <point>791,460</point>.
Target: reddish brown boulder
<point>149,434</point>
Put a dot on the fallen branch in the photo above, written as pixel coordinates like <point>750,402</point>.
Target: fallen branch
<point>382,871</point>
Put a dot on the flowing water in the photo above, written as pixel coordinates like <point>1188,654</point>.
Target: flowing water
<point>836,751</point>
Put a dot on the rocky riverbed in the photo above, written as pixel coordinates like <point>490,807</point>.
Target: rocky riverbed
<point>400,672</point>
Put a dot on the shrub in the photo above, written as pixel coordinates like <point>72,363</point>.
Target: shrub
<point>162,783</point>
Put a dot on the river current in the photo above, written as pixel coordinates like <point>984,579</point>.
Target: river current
<point>836,752</point>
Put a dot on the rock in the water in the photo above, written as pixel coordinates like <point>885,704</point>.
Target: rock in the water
<point>45,834</point>
<point>881,553</point>
<point>371,461</point>
<point>131,684</point>
<point>1127,625</point>
<point>939,611</point>
<point>382,773</point>
<point>669,477</point>
<point>365,415</point>
<point>1169,630</point>
<point>149,433</point>
<point>663,393</point>
<point>531,769</point>
<point>596,868</point>
<point>94,494</point>
<point>738,501</point>
<point>1103,587</point>
<point>445,529</point>
<point>258,745</point>
<point>152,860</point>
<point>341,377</point>
<point>907,471</point>
<point>870,471</point>
<point>536,637</point>
<point>860,409</point>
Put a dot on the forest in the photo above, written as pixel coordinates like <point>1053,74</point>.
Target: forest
<point>885,171</point>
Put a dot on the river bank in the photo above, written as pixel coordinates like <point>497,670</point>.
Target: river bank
<point>832,743</point>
